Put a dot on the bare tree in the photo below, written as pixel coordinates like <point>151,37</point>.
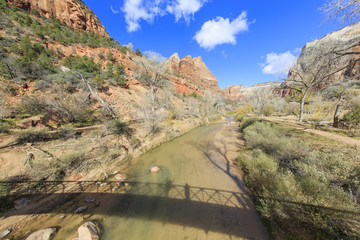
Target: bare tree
<point>261,97</point>
<point>341,92</point>
<point>152,74</point>
<point>93,91</point>
<point>342,10</point>
<point>317,66</point>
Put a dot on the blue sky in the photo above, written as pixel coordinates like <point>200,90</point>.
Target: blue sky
<point>241,41</point>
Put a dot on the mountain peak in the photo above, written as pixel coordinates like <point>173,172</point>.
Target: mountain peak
<point>73,12</point>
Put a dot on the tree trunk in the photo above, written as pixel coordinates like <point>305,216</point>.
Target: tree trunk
<point>302,103</point>
<point>337,113</point>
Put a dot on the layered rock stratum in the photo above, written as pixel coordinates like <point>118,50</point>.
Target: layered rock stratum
<point>190,74</point>
<point>73,12</point>
<point>342,45</point>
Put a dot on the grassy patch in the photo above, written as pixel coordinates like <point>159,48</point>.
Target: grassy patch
<point>303,187</point>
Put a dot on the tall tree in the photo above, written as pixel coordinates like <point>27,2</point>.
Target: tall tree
<point>317,66</point>
<point>152,74</point>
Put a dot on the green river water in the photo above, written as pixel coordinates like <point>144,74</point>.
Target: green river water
<point>195,196</point>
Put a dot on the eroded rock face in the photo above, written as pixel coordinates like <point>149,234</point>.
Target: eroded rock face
<point>234,92</point>
<point>73,12</point>
<point>191,75</point>
<point>345,40</point>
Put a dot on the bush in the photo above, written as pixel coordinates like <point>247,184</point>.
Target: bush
<point>353,116</point>
<point>119,128</point>
<point>5,126</point>
<point>296,186</point>
<point>246,122</point>
<point>31,135</point>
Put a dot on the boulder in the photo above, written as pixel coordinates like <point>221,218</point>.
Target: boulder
<point>155,169</point>
<point>120,177</point>
<point>4,233</point>
<point>43,234</point>
<point>88,231</point>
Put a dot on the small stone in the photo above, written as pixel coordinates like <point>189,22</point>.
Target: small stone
<point>62,216</point>
<point>116,172</point>
<point>114,189</point>
<point>44,234</point>
<point>120,177</point>
<point>81,209</point>
<point>75,177</point>
<point>4,233</point>
<point>127,184</point>
<point>20,203</point>
<point>103,184</point>
<point>89,199</point>
<point>155,169</point>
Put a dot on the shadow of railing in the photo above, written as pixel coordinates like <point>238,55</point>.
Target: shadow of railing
<point>203,208</point>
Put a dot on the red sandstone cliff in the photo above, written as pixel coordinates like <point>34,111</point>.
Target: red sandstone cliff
<point>73,12</point>
<point>191,75</point>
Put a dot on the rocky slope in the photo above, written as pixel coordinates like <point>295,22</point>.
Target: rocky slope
<point>236,92</point>
<point>191,75</point>
<point>342,45</point>
<point>73,12</point>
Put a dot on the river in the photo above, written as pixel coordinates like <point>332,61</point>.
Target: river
<point>198,194</point>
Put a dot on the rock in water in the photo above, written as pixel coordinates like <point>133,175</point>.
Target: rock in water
<point>4,233</point>
<point>120,177</point>
<point>155,169</point>
<point>89,200</point>
<point>20,203</point>
<point>89,231</point>
<point>44,234</point>
<point>81,209</point>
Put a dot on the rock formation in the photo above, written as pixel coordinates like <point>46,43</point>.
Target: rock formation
<point>73,12</point>
<point>191,75</point>
<point>342,45</point>
<point>234,92</point>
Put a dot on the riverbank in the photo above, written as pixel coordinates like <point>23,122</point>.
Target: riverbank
<point>205,197</point>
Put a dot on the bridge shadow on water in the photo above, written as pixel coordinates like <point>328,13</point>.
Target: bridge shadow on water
<point>203,208</point>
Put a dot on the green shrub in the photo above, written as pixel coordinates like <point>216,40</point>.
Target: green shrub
<point>297,186</point>
<point>246,122</point>
<point>85,64</point>
<point>72,159</point>
<point>31,135</point>
<point>353,116</point>
<point>118,127</point>
<point>270,138</point>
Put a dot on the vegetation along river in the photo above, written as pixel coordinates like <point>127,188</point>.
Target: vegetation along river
<point>196,195</point>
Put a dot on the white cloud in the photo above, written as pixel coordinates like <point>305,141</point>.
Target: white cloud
<point>146,10</point>
<point>278,64</point>
<point>155,56</point>
<point>114,11</point>
<point>220,31</point>
<point>185,8</point>
<point>136,10</point>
